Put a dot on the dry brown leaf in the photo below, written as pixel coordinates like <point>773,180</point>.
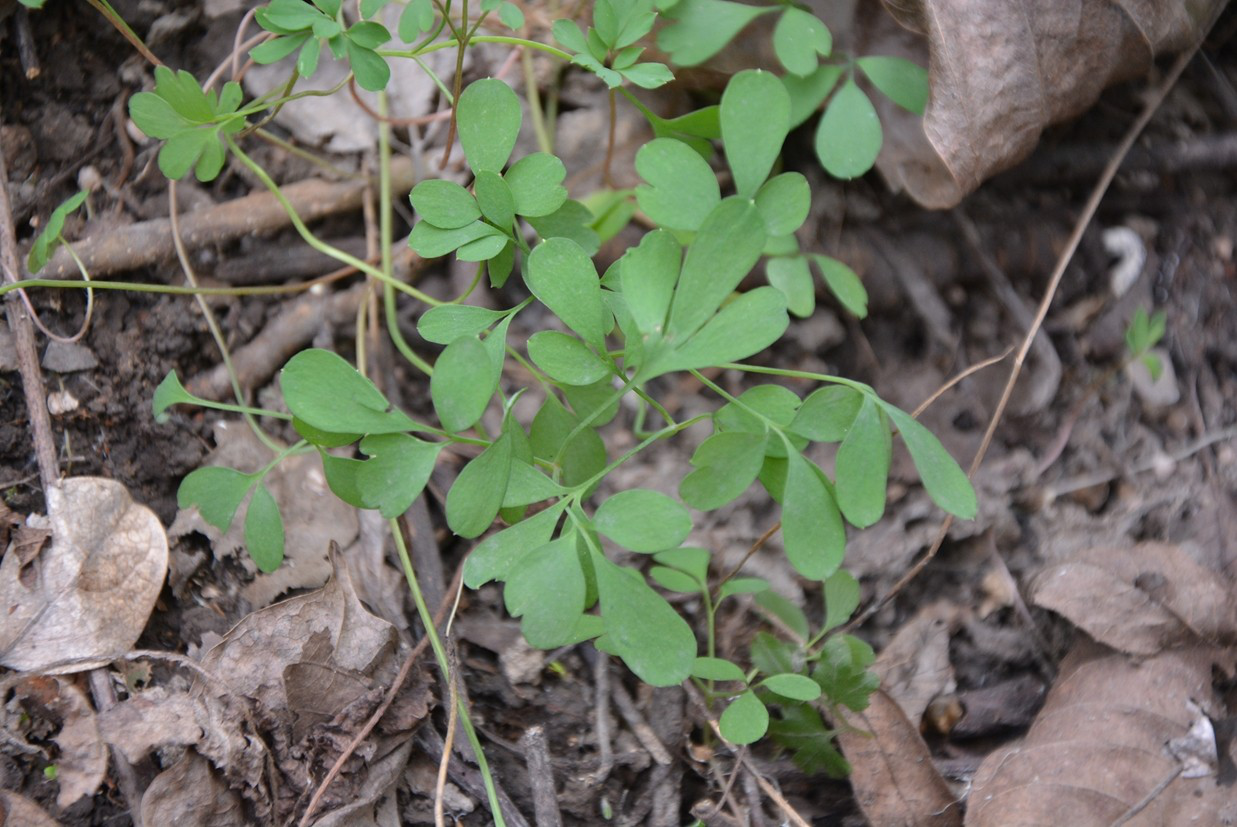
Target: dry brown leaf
<point>153,719</point>
<point>914,667</point>
<point>312,515</point>
<point>892,774</point>
<point>92,592</point>
<point>1141,600</point>
<point>1002,72</point>
<point>191,794</point>
<point>18,810</point>
<point>1098,747</point>
<point>82,758</point>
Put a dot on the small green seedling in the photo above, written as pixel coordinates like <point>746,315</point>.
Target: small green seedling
<point>1144,333</point>
<point>46,242</point>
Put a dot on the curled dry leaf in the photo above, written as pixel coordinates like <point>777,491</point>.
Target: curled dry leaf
<point>1099,746</point>
<point>82,759</point>
<point>1141,600</point>
<point>1000,75</point>
<point>312,669</point>
<point>892,774</point>
<point>914,667</point>
<point>88,597</point>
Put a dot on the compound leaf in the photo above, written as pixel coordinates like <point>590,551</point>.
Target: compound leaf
<point>493,558</point>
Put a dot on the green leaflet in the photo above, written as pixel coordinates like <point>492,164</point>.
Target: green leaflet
<point>849,135</point>
<point>396,473</point>
<point>755,118</point>
<point>681,188</point>
<point>565,358</point>
<point>792,277</point>
<point>649,273</point>
<point>798,39</point>
<point>322,389</point>
<point>725,250</point>
<point>562,277</point>
<point>812,530</point>
<point>726,464</point>
<point>863,466</point>
<point>488,117</point>
<point>702,27</point>
<point>746,720</point>
<point>493,558</point>
<point>903,82</point>
<point>477,495</point>
<point>641,627</point>
<point>945,482</point>
<point>216,492</point>
<point>643,520</point>
<point>264,535</point>
<point>545,588</point>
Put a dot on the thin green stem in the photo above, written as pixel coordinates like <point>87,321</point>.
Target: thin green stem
<point>315,242</point>
<point>385,233</point>
<point>801,374</point>
<point>657,406</point>
<point>669,430</point>
<point>481,38</point>
<point>545,141</point>
<point>442,87</point>
<point>461,46</point>
<point>240,409</point>
<point>440,655</point>
<point>588,420</point>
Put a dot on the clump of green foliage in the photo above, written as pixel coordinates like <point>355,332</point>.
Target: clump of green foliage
<point>670,304</point>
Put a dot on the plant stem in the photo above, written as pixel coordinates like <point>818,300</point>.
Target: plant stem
<point>462,44</point>
<point>670,430</point>
<point>440,655</point>
<point>481,38</point>
<point>545,142</point>
<point>385,239</point>
<point>801,374</point>
<point>315,242</point>
<point>606,178</point>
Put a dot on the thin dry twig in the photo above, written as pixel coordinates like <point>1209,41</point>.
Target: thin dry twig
<point>27,354</point>
<point>1067,255</point>
<point>971,371</point>
<point>541,777</point>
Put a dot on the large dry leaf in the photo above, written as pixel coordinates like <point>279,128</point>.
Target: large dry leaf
<point>312,515</point>
<point>88,597</point>
<point>82,758</point>
<point>18,810</point>
<point>1002,72</point>
<point>191,794</point>
<point>892,774</point>
<point>1141,600</point>
<point>1098,747</point>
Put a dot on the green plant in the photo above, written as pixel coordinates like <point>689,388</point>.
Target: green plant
<point>1143,333</point>
<point>670,304</point>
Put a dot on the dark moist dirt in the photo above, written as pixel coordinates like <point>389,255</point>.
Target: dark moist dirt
<point>64,121</point>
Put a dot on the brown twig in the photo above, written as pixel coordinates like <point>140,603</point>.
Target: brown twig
<point>972,370</point>
<point>417,651</point>
<point>541,777</point>
<point>148,242</point>
<point>26,53</point>
<point>27,353</point>
<point>755,547</point>
<point>1066,256</point>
